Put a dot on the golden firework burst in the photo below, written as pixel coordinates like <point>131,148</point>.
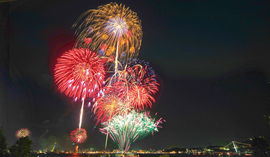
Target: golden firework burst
<point>114,25</point>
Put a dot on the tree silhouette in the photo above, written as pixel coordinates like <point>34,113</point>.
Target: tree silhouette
<point>267,117</point>
<point>3,143</point>
<point>260,146</point>
<point>22,147</point>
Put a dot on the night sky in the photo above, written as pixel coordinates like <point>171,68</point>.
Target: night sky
<point>211,59</point>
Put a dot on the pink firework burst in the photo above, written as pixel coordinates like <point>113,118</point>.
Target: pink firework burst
<point>23,132</point>
<point>79,73</point>
<point>78,135</point>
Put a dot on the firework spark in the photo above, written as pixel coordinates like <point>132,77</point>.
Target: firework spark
<point>126,129</point>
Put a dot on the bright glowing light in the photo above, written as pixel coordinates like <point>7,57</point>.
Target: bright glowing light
<point>116,26</point>
<point>23,132</point>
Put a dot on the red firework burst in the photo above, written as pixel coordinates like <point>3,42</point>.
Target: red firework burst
<point>79,73</point>
<point>78,135</point>
<point>142,85</point>
<point>139,97</point>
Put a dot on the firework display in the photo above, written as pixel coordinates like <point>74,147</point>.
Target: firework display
<point>110,36</point>
<point>23,132</point>
<point>133,87</point>
<point>78,135</point>
<point>110,29</point>
<point>127,128</point>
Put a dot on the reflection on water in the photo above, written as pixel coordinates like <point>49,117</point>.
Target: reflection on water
<point>135,155</point>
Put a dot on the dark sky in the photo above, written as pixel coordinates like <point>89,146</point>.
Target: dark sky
<point>211,59</point>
